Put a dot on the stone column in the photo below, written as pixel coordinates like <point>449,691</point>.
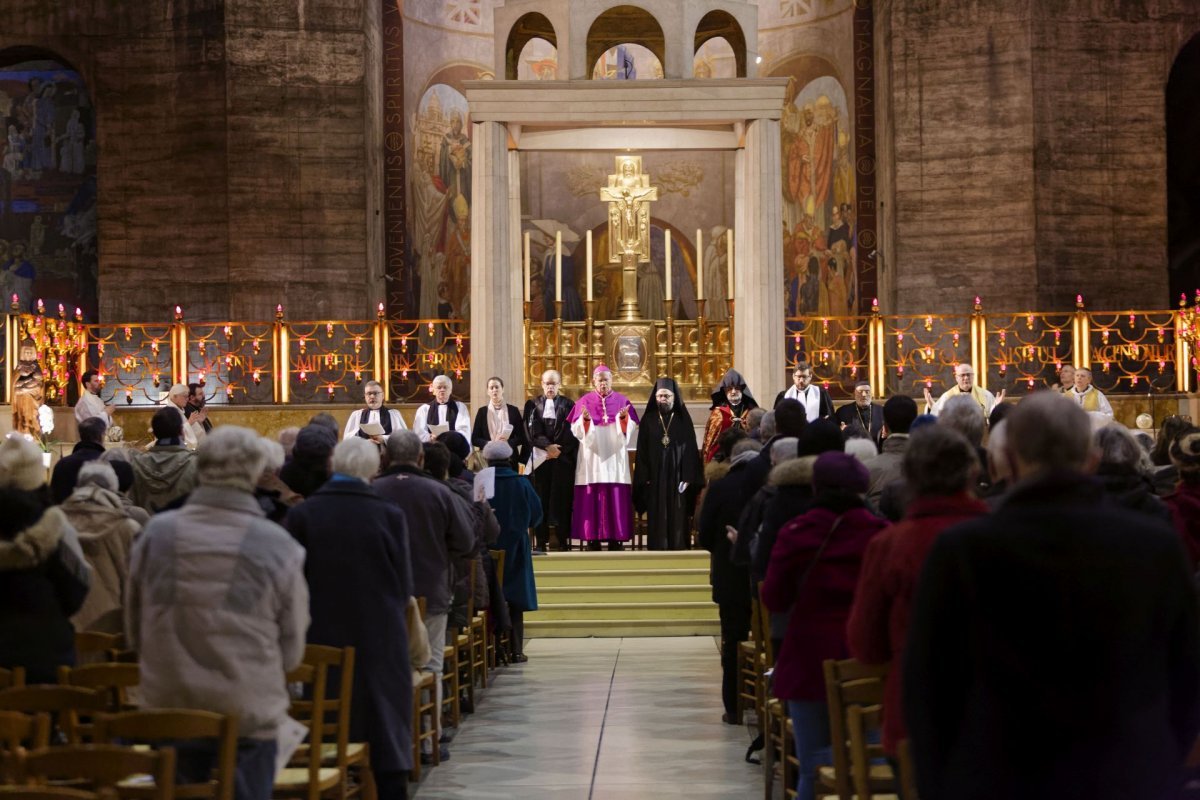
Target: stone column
<point>758,346</point>
<point>496,282</point>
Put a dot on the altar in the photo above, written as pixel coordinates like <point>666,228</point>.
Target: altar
<point>519,125</point>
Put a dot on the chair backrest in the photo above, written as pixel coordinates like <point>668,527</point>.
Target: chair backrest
<point>861,721</point>
<point>64,701</point>
<point>339,689</point>
<point>309,709</point>
<point>113,679</point>
<point>49,793</point>
<point>104,766</point>
<point>20,731</point>
<point>498,558</point>
<point>12,677</point>
<point>848,683</point>
<point>155,726</point>
<point>764,631</point>
<point>96,646</point>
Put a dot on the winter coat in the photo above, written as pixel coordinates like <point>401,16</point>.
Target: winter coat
<point>887,466</point>
<point>1132,491</point>
<point>723,501</point>
<point>66,471</point>
<point>106,534</point>
<point>359,576</point>
<point>217,609</point>
<point>440,526</point>
<point>487,531</point>
<point>883,602</point>
<point>1059,633</point>
<point>43,581</point>
<point>819,608</point>
<point>1184,504</point>
<point>162,475</point>
<point>517,509</point>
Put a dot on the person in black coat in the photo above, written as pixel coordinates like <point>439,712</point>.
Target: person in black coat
<point>499,421</point>
<point>723,501</point>
<point>862,417</point>
<point>359,580</point>
<point>554,478</point>
<point>89,448</point>
<point>308,468</point>
<point>1054,646</point>
<point>44,578</point>
<point>668,474</point>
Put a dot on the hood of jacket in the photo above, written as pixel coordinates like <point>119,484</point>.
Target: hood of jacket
<point>715,470</point>
<point>161,468</point>
<point>36,544</point>
<point>793,472</point>
<point>95,512</point>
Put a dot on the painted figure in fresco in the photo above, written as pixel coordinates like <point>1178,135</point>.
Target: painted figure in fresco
<point>37,235</point>
<point>650,291</point>
<point>839,231</point>
<point>716,271</point>
<point>458,259</point>
<point>14,155</point>
<point>19,273</point>
<point>42,155</point>
<point>454,164</point>
<point>822,137</point>
<point>429,218</point>
<point>71,154</point>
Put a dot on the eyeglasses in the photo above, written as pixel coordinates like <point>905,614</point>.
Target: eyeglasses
<point>372,394</point>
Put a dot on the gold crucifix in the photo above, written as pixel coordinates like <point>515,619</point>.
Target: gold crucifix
<point>628,195</point>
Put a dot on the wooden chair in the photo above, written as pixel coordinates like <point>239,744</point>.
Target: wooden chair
<point>774,754</point>
<point>105,768</point>
<point>908,770</point>
<point>12,677</point>
<point>66,702</point>
<point>351,758</point>
<point>747,661</point>
<point>451,684</point>
<point>502,641</point>
<point>851,683</point>
<point>861,722</point>
<point>424,705</point>
<point>114,680</point>
<point>310,780</point>
<point>49,793</point>
<point>93,646</point>
<point>19,732</point>
<point>791,764</point>
<point>156,726</point>
<point>766,663</point>
<point>477,631</point>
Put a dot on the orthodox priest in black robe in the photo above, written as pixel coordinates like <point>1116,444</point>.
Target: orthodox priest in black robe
<point>668,474</point>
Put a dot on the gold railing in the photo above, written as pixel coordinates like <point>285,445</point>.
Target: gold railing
<point>275,362</point>
<point>695,352</point>
<point>326,361</point>
<point>1129,352</point>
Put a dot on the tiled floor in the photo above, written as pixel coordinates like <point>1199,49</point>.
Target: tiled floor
<point>600,719</point>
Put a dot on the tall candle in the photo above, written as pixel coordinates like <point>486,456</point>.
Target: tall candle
<point>589,266</point>
<point>729,252</point>
<point>558,266</point>
<point>667,245</point>
<point>699,264</point>
<point>528,267</point>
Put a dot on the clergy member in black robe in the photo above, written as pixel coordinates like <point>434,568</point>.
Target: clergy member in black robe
<point>862,418</point>
<point>668,474</point>
<point>554,478</point>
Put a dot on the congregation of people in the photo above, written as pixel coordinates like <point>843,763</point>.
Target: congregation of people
<point>1025,569</point>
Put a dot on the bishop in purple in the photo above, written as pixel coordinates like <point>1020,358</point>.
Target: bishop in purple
<point>605,423</point>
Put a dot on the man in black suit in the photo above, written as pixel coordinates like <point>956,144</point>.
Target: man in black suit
<point>861,418</point>
<point>554,478</point>
<point>815,399</point>
<point>1054,647</point>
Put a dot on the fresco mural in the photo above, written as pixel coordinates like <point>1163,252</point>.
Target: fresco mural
<point>47,188</point>
<point>627,62</point>
<point>441,193</point>
<point>538,61</point>
<point>819,239</point>
<point>715,59</point>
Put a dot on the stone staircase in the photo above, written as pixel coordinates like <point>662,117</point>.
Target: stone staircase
<point>627,593</point>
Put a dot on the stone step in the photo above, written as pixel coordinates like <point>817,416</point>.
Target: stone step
<point>638,593</point>
<point>619,577</point>
<point>558,628</point>
<point>683,610</point>
<point>621,560</point>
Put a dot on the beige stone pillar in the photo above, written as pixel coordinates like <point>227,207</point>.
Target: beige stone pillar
<point>758,346</point>
<point>496,278</point>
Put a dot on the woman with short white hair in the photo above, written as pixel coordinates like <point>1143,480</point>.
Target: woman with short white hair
<point>106,534</point>
<point>360,579</point>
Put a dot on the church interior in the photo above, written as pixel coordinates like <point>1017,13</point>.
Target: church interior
<point>287,202</point>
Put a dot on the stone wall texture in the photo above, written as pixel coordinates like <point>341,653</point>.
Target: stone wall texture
<point>1023,150</point>
<point>232,161</point>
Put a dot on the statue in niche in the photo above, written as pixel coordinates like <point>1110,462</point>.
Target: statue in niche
<point>28,391</point>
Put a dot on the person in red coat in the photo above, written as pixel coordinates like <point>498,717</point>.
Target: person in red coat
<point>813,571</point>
<point>940,467</point>
<point>1184,502</point>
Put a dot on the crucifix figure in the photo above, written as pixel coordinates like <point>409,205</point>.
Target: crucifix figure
<point>629,195</point>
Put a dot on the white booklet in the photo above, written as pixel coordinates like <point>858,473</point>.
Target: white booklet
<point>485,484</point>
<point>437,430</point>
<point>287,738</point>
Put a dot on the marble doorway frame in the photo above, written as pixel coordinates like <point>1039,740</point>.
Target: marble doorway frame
<point>734,114</point>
